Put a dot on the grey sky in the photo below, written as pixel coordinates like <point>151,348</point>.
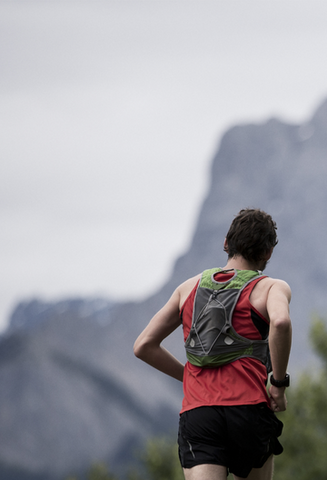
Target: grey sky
<point>110,114</point>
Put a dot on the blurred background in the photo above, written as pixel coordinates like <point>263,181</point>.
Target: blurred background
<point>131,134</point>
<point>110,114</point>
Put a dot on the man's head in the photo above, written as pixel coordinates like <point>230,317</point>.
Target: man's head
<point>252,235</point>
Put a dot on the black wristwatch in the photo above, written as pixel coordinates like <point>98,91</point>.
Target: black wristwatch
<point>280,383</point>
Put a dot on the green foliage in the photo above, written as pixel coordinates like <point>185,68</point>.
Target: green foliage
<point>98,471</point>
<point>160,461</point>
<point>305,421</point>
<point>318,336</point>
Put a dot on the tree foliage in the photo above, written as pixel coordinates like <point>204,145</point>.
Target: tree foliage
<point>305,421</point>
<point>98,471</point>
<point>159,461</point>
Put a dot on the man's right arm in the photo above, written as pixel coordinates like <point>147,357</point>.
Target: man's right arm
<point>280,338</point>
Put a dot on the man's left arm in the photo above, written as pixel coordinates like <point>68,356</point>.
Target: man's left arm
<point>280,338</point>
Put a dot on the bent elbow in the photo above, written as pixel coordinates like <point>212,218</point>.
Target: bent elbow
<point>137,349</point>
<point>282,324</point>
<point>140,348</point>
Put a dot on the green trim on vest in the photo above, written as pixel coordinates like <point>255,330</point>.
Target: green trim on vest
<point>239,279</point>
<point>218,360</point>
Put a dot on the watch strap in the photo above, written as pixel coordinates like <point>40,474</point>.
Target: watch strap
<point>280,383</point>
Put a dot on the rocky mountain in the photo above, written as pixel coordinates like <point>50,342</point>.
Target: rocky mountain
<point>72,391</point>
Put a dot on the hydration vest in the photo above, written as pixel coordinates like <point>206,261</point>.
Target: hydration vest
<point>212,341</point>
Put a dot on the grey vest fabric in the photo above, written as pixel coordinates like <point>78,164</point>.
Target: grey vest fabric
<point>212,341</point>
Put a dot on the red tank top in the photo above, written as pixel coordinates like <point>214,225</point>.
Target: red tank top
<point>242,382</point>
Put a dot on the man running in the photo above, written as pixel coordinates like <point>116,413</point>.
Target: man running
<point>232,318</point>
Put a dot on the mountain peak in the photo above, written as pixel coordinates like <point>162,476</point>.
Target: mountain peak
<point>72,387</point>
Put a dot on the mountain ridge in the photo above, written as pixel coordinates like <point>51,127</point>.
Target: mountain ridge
<point>73,392</point>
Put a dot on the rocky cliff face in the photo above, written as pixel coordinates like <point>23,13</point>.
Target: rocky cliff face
<point>73,393</point>
<point>282,169</point>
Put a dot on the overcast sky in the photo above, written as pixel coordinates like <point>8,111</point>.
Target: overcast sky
<point>111,112</point>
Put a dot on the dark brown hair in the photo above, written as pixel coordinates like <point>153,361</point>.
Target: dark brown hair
<point>252,234</point>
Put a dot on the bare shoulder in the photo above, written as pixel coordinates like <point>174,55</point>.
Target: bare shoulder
<point>272,288</point>
<point>186,287</point>
<point>267,291</point>
<point>276,284</point>
<point>279,286</point>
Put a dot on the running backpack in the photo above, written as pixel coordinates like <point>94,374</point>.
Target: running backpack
<point>212,341</point>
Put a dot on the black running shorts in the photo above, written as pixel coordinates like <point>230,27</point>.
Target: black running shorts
<point>238,437</point>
